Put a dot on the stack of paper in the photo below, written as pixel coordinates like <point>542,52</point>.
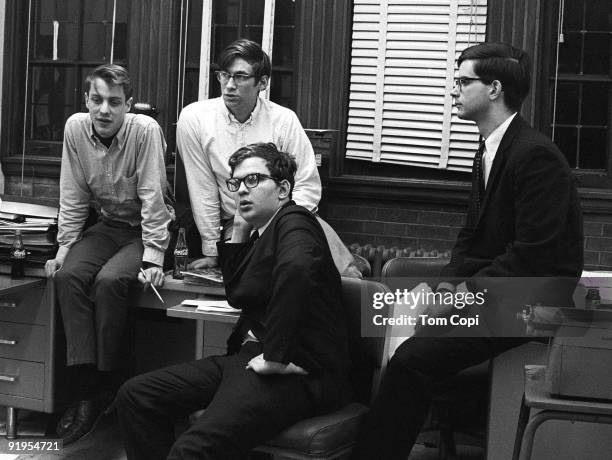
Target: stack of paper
<point>203,276</point>
<point>37,220</point>
<point>211,305</point>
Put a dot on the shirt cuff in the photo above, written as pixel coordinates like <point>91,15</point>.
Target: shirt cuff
<point>62,252</point>
<point>153,256</point>
<point>209,248</point>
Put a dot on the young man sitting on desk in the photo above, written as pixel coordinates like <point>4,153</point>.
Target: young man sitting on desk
<point>288,354</point>
<point>115,159</point>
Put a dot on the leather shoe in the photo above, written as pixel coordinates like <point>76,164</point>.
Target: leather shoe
<point>87,413</point>
<point>65,421</point>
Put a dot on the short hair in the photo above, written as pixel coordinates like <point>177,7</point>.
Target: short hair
<point>503,62</point>
<point>113,75</point>
<point>251,52</point>
<point>281,165</point>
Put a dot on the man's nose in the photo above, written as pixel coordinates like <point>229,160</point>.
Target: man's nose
<point>455,91</point>
<point>230,83</point>
<point>243,189</point>
<point>104,107</point>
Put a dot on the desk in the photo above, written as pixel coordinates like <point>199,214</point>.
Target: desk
<point>183,311</point>
<point>27,347</point>
<point>552,408</point>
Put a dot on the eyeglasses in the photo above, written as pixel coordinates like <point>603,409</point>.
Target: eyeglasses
<point>250,180</point>
<point>239,78</point>
<point>461,82</point>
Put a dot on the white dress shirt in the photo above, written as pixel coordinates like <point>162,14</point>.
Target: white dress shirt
<point>207,135</point>
<point>492,144</point>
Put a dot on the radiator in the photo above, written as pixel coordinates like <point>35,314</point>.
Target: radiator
<point>377,256</point>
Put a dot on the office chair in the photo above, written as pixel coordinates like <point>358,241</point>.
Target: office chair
<point>468,385</point>
<point>333,435</point>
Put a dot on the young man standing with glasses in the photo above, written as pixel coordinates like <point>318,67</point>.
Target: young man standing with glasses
<point>209,131</point>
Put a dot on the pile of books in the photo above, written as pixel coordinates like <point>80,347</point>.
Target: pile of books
<point>203,276</point>
<point>37,220</point>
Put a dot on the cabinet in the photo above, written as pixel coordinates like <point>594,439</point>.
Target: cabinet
<point>27,351</point>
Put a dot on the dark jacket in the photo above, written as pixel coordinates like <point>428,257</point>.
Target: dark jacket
<point>529,226</point>
<point>290,293</point>
<point>530,221</point>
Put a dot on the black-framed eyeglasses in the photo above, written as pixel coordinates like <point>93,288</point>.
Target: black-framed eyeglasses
<point>461,82</point>
<point>250,181</point>
<point>239,78</point>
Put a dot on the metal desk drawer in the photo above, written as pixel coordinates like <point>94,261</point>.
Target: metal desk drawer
<point>21,378</point>
<point>24,307</point>
<point>23,341</point>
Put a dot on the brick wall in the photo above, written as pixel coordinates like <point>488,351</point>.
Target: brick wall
<point>403,225</point>
<point>422,227</point>
<point>39,187</point>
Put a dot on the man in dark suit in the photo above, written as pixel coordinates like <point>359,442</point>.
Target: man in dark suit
<point>524,220</point>
<point>287,357</point>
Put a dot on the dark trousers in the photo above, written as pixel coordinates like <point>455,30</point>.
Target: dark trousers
<point>92,291</point>
<point>402,404</point>
<point>243,409</point>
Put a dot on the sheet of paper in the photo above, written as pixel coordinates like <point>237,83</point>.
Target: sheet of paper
<point>210,305</point>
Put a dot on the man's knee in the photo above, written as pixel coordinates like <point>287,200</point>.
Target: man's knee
<point>111,284</point>
<point>69,276</point>
<point>128,393</point>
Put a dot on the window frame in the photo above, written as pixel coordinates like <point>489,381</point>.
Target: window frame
<point>587,178</point>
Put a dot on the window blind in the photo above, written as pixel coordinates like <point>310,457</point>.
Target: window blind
<point>402,69</point>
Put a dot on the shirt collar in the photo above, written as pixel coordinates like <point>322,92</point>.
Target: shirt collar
<point>492,142</point>
<point>120,136</point>
<point>229,116</point>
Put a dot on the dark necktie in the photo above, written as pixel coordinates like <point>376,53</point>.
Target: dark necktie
<point>253,238</point>
<point>478,176</point>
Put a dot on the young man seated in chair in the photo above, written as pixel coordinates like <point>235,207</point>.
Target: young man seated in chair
<point>288,354</point>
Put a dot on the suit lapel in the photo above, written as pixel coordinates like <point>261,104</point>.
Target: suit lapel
<point>500,159</point>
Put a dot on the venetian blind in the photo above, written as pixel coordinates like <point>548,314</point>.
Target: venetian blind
<point>402,69</point>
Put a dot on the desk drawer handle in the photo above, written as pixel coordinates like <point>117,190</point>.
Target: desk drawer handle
<point>8,342</point>
<point>8,304</point>
<point>7,378</point>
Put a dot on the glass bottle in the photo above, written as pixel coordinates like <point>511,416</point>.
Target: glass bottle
<point>180,255</point>
<point>18,257</point>
<point>592,298</point>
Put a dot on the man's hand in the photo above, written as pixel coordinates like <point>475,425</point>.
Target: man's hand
<point>53,265</point>
<point>241,229</point>
<point>204,262</point>
<point>260,366</point>
<point>153,275</point>
<point>434,310</point>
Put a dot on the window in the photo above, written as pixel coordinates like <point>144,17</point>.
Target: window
<point>217,23</point>
<point>579,84</point>
<point>403,63</point>
<point>67,39</point>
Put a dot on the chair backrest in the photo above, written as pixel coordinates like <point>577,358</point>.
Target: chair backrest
<point>362,265</point>
<point>421,267</point>
<point>367,354</point>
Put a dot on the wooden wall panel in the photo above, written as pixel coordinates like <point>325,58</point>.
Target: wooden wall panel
<point>153,56</point>
<point>323,48</point>
<point>518,22</point>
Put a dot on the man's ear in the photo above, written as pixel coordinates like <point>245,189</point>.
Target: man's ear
<point>128,103</point>
<point>496,90</point>
<point>86,98</point>
<point>263,82</point>
<point>284,189</point>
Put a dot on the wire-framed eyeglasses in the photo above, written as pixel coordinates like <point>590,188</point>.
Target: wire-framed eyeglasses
<point>461,82</point>
<point>250,181</point>
<point>239,78</point>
